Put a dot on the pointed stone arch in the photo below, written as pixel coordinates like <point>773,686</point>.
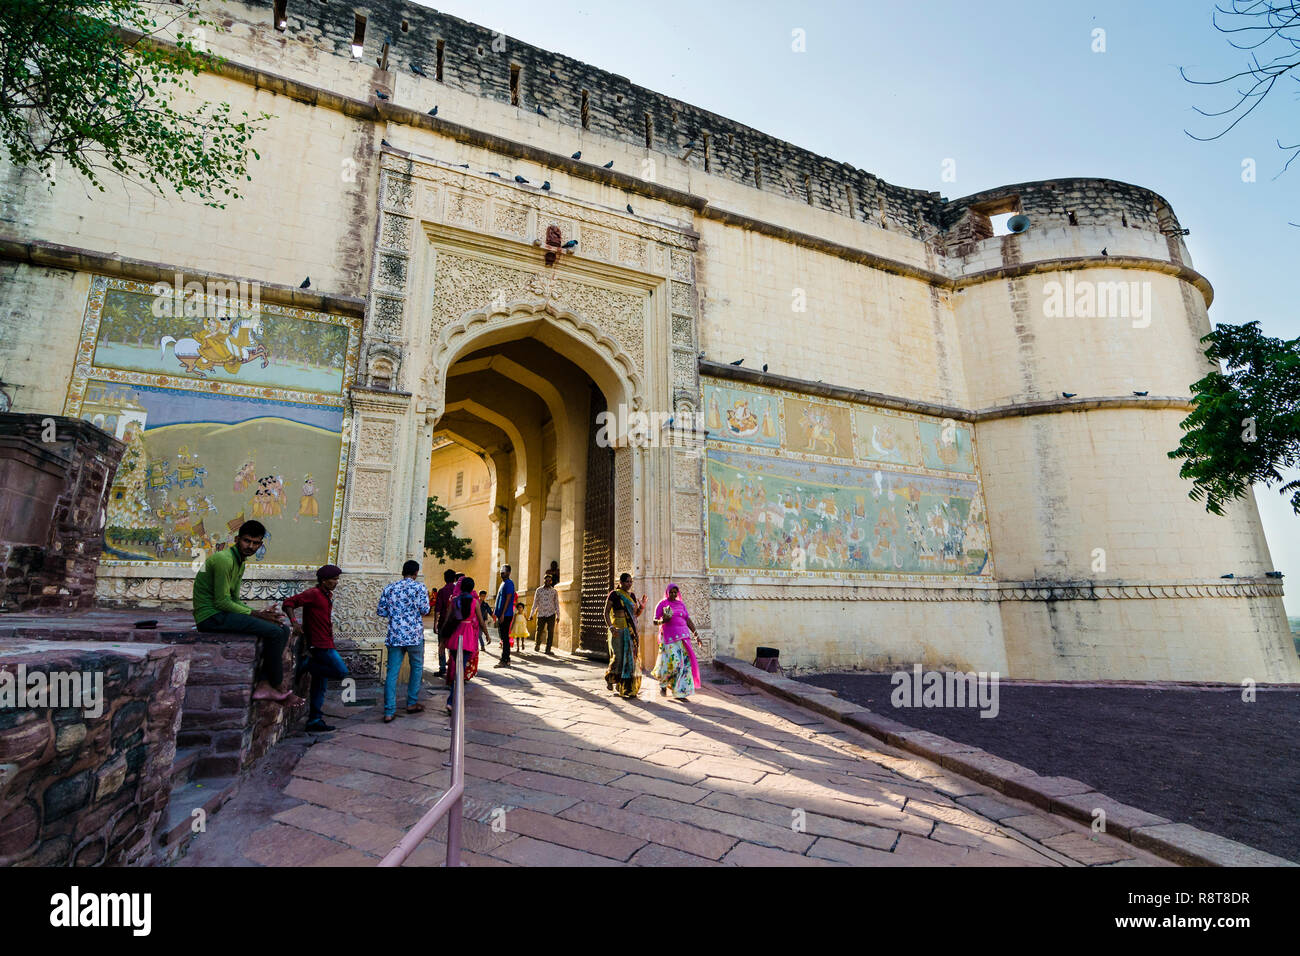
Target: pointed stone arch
<point>603,357</point>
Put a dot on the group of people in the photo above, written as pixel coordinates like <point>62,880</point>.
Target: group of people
<point>461,617</point>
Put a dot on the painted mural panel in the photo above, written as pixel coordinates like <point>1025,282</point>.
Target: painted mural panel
<point>197,465</point>
<point>947,446</point>
<point>818,428</point>
<point>745,416</point>
<point>212,443</point>
<point>770,514</point>
<point>227,337</point>
<point>887,438</point>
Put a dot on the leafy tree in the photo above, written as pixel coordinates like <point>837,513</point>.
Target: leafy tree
<point>440,534</point>
<point>1245,426</point>
<point>90,83</point>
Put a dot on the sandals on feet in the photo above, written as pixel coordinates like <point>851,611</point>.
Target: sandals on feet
<point>389,718</point>
<point>415,709</point>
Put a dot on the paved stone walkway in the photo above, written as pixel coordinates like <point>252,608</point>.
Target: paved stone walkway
<point>561,772</point>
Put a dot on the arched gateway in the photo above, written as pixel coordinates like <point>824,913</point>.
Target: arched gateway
<point>541,370</point>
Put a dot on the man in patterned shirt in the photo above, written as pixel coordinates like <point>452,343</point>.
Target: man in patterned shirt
<point>404,603</point>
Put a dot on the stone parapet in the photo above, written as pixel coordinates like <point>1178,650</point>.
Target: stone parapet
<point>86,787</point>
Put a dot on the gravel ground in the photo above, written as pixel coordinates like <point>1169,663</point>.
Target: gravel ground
<point>1202,757</point>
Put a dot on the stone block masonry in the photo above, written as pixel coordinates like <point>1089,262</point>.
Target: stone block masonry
<point>80,788</point>
<point>214,672</point>
<point>52,496</point>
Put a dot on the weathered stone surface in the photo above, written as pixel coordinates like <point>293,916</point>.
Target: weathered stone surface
<point>1120,818</point>
<point>1041,791</point>
<point>1188,845</point>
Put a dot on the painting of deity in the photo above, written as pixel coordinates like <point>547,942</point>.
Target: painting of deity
<point>947,445</point>
<point>742,416</point>
<point>815,428</point>
<point>887,438</point>
<point>199,464</point>
<point>767,513</point>
<point>219,338</point>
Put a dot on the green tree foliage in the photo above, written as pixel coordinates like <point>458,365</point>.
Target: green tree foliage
<point>91,83</point>
<point>440,534</point>
<point>1246,423</point>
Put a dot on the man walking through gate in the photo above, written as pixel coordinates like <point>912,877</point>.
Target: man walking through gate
<point>505,614</point>
<point>404,603</point>
<point>546,605</point>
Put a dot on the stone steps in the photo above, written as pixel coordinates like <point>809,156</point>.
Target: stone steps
<point>178,824</point>
<point>183,764</point>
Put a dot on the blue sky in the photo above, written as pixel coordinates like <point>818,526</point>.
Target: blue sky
<point>1011,90</point>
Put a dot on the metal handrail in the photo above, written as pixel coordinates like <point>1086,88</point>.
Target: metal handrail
<point>451,803</point>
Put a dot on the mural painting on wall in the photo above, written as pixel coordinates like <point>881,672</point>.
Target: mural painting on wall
<point>777,514</point>
<point>902,512</point>
<point>203,456</point>
<point>947,446</point>
<point>743,416</point>
<point>815,428</point>
<point>229,338</point>
<point>889,438</point>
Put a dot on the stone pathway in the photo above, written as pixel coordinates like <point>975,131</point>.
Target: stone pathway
<point>559,772</point>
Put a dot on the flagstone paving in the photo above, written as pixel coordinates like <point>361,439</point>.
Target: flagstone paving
<point>560,772</point>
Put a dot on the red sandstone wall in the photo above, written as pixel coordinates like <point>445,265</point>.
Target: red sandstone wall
<point>81,791</point>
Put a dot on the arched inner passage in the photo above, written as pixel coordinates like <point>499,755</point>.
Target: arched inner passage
<point>517,461</point>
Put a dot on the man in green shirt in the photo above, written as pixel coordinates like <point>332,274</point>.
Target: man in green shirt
<point>217,608</point>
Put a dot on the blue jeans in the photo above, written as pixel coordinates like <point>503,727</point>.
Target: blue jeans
<point>415,656</point>
<point>325,665</point>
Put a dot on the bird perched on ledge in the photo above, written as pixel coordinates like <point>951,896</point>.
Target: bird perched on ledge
<point>1069,394</point>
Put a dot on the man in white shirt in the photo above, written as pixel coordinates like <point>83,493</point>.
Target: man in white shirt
<point>546,606</point>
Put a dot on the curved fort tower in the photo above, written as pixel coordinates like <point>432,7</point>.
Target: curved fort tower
<point>956,454</point>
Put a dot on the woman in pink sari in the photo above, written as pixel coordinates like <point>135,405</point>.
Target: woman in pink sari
<point>676,669</point>
<point>467,617</point>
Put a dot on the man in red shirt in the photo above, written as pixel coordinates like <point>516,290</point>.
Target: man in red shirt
<point>441,605</point>
<point>318,623</point>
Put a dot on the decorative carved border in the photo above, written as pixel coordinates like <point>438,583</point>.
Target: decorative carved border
<point>467,181</point>
<point>516,312</point>
<point>993,591</point>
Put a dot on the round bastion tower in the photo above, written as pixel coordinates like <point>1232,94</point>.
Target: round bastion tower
<point>1080,336</point>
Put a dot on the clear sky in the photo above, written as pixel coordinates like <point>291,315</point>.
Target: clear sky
<point>1010,90</point>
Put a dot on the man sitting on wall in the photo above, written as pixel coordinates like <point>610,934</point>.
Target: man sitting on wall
<point>217,608</point>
